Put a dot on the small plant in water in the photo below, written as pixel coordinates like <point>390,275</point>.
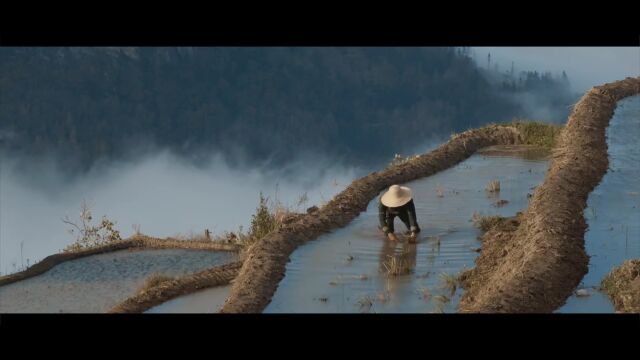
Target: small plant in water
<point>424,293</point>
<point>365,303</point>
<point>500,203</point>
<point>485,222</point>
<point>449,282</point>
<point>494,186</point>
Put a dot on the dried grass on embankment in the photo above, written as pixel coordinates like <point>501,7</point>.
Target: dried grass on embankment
<point>265,262</point>
<point>536,267</point>
<point>623,286</point>
<point>162,291</point>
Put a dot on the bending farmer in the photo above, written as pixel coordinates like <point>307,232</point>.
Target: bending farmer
<point>397,201</point>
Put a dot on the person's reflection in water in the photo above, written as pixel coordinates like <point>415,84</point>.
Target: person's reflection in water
<point>397,260</point>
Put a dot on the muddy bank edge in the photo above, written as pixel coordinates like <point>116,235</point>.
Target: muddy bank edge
<point>139,242</point>
<point>143,301</point>
<point>540,263</point>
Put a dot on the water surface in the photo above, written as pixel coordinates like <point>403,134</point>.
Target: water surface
<point>613,209</point>
<point>98,282</point>
<point>345,271</point>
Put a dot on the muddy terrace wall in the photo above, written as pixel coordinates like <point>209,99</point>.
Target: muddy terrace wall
<point>143,242</point>
<point>265,261</point>
<point>216,276</point>
<point>543,260</point>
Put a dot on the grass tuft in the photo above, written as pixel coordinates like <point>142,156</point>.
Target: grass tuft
<point>537,133</point>
<point>154,280</point>
<point>449,282</point>
<point>486,222</point>
<point>493,186</point>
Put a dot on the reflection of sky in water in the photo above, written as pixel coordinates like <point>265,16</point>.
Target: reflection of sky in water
<point>613,208</point>
<point>97,283</point>
<point>322,277</point>
<point>203,302</point>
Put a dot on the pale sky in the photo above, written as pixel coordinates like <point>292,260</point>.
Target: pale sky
<point>585,66</point>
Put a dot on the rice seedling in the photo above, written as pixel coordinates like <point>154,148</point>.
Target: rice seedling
<point>485,222</point>
<point>424,293</point>
<point>493,186</point>
<point>449,282</point>
<point>365,303</point>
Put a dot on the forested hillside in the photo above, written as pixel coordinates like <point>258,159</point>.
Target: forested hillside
<point>361,105</point>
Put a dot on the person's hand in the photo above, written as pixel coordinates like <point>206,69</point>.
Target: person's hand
<point>392,236</point>
<point>413,237</point>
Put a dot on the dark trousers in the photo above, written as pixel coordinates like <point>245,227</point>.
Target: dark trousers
<point>403,217</point>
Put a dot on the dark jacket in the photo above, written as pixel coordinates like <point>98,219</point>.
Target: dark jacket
<point>406,213</point>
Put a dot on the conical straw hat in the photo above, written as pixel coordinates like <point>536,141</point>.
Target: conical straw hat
<point>396,196</point>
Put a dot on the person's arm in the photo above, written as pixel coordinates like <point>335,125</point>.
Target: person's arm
<point>413,222</point>
<point>382,218</point>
